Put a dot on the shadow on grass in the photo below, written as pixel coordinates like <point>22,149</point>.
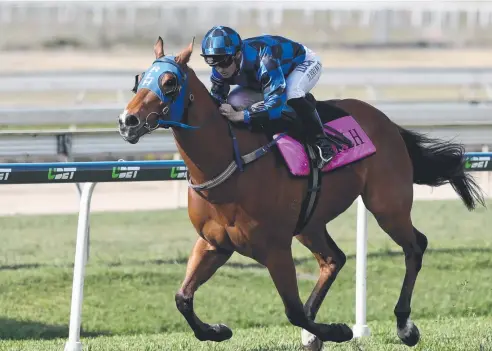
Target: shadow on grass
<point>11,329</point>
<point>297,261</point>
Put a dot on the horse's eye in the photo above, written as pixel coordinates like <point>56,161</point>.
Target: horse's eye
<point>170,82</point>
<point>170,85</point>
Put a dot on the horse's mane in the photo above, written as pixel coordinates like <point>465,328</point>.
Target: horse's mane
<point>203,87</point>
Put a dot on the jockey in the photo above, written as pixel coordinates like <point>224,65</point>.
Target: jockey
<point>271,72</point>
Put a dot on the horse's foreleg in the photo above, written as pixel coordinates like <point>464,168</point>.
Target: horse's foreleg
<point>202,264</point>
<point>281,266</point>
<point>331,260</point>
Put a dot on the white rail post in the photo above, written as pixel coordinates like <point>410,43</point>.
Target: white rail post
<point>69,158</point>
<point>360,328</point>
<point>88,236</point>
<point>73,343</point>
<point>177,184</point>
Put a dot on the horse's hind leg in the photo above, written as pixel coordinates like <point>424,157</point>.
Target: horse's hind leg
<point>281,266</point>
<point>406,329</point>
<point>413,243</point>
<point>202,264</point>
<point>331,260</point>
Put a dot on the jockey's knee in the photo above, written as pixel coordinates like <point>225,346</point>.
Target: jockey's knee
<point>295,93</point>
<point>237,101</point>
<point>242,98</point>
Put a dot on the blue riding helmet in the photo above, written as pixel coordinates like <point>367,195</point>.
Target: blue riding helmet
<point>220,41</point>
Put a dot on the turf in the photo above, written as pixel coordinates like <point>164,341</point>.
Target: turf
<point>138,261</point>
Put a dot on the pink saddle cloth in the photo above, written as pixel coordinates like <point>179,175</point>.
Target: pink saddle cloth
<point>296,157</point>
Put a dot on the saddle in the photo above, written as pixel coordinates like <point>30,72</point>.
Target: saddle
<point>348,140</point>
<point>350,144</point>
<point>298,155</point>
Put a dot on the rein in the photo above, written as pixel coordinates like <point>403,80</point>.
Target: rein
<point>237,163</point>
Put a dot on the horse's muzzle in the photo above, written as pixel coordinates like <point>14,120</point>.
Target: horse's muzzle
<point>133,140</point>
<point>129,134</point>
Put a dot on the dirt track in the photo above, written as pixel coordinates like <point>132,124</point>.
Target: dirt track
<point>64,198</point>
<point>127,60</point>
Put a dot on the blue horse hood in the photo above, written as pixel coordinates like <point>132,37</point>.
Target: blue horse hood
<point>151,80</point>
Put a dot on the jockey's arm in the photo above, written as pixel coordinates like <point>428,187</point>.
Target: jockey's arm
<point>220,89</point>
<point>273,86</point>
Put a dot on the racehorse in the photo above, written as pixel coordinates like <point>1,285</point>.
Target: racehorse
<point>245,196</point>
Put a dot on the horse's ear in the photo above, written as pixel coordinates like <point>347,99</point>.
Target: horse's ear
<point>159,48</point>
<point>184,56</point>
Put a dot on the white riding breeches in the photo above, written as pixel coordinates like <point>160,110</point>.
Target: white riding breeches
<point>298,83</point>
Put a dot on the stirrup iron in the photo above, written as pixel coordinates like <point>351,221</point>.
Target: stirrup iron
<point>323,161</point>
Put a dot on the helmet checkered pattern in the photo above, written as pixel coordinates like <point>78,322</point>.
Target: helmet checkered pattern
<point>221,40</point>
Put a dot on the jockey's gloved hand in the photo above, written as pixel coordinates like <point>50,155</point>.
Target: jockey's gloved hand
<point>232,115</point>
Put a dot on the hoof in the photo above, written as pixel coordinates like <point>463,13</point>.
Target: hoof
<point>214,332</point>
<point>311,342</point>
<point>336,333</point>
<point>409,334</point>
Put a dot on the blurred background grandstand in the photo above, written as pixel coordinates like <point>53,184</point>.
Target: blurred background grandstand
<point>320,24</point>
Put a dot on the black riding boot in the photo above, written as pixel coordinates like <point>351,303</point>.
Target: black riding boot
<point>315,133</point>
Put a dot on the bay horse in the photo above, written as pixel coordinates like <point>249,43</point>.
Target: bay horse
<point>251,203</point>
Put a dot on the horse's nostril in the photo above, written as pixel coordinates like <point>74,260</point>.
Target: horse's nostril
<point>131,121</point>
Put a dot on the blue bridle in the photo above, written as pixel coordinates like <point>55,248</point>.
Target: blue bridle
<point>176,101</point>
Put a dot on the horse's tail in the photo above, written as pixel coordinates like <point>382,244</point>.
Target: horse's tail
<point>440,162</point>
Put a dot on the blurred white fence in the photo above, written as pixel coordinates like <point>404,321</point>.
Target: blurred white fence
<point>467,122</point>
<point>427,114</point>
<point>370,78</point>
<point>475,132</point>
<point>99,23</point>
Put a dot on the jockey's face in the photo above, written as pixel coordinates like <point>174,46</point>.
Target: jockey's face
<point>227,68</point>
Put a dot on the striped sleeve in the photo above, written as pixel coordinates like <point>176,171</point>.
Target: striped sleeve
<point>273,87</point>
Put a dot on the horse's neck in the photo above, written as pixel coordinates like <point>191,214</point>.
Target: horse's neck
<point>206,151</point>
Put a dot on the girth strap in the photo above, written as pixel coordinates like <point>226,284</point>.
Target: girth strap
<point>311,199</point>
